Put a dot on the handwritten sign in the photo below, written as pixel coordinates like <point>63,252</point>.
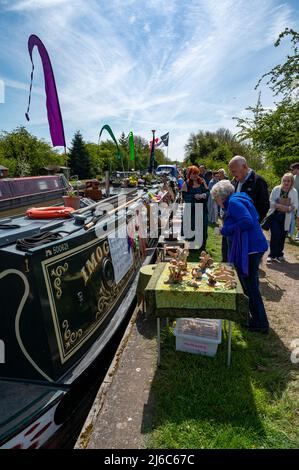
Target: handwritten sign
<point>122,258</point>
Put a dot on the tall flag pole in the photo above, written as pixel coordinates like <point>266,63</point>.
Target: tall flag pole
<point>52,102</point>
<point>110,132</point>
<point>152,154</point>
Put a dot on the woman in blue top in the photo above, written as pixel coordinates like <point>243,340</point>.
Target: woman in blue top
<point>247,244</point>
<point>195,194</point>
<point>180,180</point>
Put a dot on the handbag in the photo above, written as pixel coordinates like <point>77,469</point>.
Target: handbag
<point>266,222</point>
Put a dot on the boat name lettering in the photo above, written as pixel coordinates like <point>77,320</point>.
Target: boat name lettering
<point>94,260</point>
<point>60,248</point>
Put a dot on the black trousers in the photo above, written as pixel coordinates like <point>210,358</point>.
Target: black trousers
<point>278,235</point>
<point>224,249</point>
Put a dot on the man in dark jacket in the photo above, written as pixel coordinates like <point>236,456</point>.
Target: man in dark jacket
<point>247,181</point>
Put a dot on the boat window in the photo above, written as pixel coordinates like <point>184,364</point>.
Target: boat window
<point>42,185</point>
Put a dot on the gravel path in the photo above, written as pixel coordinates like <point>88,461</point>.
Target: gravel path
<point>280,291</point>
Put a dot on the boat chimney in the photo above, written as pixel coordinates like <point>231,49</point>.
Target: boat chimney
<point>107,183</point>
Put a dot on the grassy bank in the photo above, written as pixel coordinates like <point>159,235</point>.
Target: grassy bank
<point>200,403</point>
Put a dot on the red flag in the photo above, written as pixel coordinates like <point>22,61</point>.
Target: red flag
<point>156,142</point>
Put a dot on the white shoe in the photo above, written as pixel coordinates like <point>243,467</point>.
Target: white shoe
<point>281,258</point>
<point>269,259</point>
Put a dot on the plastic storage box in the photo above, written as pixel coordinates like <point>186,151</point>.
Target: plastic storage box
<point>198,336</point>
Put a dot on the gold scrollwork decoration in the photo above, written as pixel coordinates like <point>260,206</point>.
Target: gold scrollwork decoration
<point>106,298</point>
<point>57,273</point>
<point>70,337</point>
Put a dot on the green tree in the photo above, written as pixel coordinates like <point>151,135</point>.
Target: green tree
<point>214,149</point>
<point>104,155</point>
<point>124,149</point>
<point>97,163</point>
<point>24,154</point>
<point>274,133</point>
<point>284,78</point>
<point>79,159</point>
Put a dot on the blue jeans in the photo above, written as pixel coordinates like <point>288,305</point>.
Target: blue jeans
<point>278,235</point>
<point>250,284</point>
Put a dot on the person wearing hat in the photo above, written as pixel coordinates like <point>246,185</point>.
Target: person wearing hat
<point>295,170</point>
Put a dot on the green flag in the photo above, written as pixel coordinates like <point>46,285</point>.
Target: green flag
<point>131,142</point>
<point>109,130</point>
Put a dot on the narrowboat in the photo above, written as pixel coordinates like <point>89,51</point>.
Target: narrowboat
<point>65,288</point>
<point>20,193</point>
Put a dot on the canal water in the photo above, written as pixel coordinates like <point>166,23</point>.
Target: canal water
<point>85,393</point>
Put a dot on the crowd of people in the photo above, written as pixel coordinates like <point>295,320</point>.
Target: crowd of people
<point>245,207</point>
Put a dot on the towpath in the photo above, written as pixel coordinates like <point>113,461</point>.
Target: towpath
<point>122,413</point>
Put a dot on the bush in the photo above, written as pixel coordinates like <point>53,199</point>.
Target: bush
<point>271,178</point>
<point>282,165</point>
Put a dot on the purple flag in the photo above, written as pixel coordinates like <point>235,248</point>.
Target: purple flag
<point>53,108</point>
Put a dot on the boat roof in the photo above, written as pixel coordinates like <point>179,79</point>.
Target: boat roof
<point>19,227</point>
<point>28,178</point>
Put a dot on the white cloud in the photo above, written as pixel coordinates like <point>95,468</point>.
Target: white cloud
<point>194,69</point>
<point>34,4</point>
<point>146,28</point>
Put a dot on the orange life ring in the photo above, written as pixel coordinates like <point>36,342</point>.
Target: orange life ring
<point>50,212</point>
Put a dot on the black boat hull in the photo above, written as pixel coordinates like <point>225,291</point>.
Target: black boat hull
<point>61,304</point>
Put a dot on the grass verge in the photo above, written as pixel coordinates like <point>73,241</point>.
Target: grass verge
<point>200,403</point>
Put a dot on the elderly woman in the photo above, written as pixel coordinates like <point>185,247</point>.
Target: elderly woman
<point>247,244</point>
<point>213,208</point>
<point>195,195</point>
<point>283,202</point>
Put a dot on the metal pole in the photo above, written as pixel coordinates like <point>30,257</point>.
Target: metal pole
<point>107,183</point>
<point>158,343</point>
<point>65,157</point>
<point>152,155</point>
<point>229,343</point>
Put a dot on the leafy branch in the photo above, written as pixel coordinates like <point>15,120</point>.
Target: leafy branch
<point>284,78</point>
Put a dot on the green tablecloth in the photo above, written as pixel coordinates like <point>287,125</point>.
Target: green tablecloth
<point>145,274</point>
<point>178,300</point>
<point>184,296</point>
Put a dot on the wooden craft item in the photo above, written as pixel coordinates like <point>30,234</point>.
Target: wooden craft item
<point>231,284</point>
<point>193,283</point>
<point>206,261</point>
<point>196,273</point>
<point>211,279</point>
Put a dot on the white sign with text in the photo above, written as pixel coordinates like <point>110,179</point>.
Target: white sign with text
<point>122,257</point>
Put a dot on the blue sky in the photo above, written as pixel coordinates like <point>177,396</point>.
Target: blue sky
<point>171,65</point>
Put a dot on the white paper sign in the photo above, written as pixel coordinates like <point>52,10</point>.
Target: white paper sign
<point>122,259</point>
